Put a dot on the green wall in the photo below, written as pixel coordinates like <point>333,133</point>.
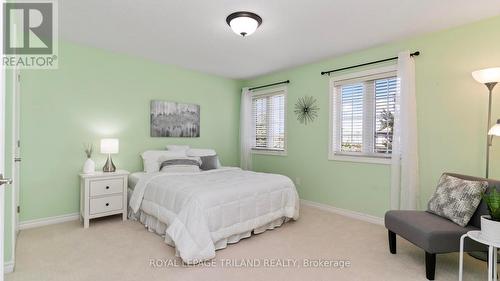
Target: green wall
<point>452,110</point>
<point>96,94</point>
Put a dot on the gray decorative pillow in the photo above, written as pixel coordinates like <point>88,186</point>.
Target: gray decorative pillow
<point>456,199</point>
<point>209,162</point>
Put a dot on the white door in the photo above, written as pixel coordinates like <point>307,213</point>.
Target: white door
<point>2,154</point>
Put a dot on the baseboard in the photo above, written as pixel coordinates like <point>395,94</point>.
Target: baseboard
<point>344,212</point>
<point>48,221</point>
<point>8,267</point>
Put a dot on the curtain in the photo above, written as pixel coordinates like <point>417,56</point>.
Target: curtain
<point>404,168</point>
<point>246,129</point>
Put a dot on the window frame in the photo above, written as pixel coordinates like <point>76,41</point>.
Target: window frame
<point>270,151</point>
<point>334,155</point>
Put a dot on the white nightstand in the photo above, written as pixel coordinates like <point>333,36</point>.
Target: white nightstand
<point>103,194</point>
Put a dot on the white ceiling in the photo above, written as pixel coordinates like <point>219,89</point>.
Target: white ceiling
<point>193,34</point>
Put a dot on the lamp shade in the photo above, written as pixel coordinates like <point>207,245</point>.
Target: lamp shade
<point>495,130</point>
<point>109,146</point>
<point>488,75</point>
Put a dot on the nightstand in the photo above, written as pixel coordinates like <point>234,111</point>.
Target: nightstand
<point>103,194</point>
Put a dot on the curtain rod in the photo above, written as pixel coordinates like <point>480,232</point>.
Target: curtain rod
<point>368,63</point>
<point>269,85</point>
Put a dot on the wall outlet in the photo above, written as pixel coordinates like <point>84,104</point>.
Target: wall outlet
<point>298,181</point>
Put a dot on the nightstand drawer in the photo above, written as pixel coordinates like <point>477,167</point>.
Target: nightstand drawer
<point>106,204</point>
<point>105,187</point>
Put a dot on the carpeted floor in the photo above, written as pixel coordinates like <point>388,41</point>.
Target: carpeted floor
<point>114,250</point>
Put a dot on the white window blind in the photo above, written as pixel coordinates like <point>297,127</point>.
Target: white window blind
<point>363,115</point>
<point>268,110</point>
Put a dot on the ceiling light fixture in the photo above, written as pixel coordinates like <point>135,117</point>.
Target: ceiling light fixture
<point>244,23</point>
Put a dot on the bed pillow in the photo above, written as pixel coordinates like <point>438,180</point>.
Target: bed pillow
<point>198,152</point>
<point>176,147</point>
<point>151,158</point>
<point>209,162</point>
<point>456,199</point>
<point>180,169</point>
<point>180,164</point>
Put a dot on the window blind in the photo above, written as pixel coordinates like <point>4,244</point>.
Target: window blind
<point>269,120</point>
<point>351,129</point>
<point>363,116</point>
<point>385,105</point>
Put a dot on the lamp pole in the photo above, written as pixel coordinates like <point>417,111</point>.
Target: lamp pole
<point>490,87</point>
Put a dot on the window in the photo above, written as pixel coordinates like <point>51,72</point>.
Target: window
<point>268,111</point>
<point>362,115</point>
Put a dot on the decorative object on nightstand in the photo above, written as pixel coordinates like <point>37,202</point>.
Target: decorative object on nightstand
<point>103,194</point>
<point>489,77</point>
<point>89,165</point>
<point>109,146</point>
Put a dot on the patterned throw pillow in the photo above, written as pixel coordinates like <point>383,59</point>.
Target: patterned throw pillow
<point>456,199</point>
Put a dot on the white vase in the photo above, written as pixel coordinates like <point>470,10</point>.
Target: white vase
<point>490,229</point>
<point>89,166</point>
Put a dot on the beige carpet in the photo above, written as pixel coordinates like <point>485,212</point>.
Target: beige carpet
<point>113,250</point>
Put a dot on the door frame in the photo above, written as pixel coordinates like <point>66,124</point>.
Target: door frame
<point>2,153</point>
<point>15,173</point>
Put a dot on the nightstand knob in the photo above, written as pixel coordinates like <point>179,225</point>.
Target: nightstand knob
<point>107,204</point>
<point>107,187</point>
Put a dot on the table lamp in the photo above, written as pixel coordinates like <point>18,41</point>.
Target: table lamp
<point>109,146</point>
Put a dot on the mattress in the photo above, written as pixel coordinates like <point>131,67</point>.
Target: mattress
<point>203,211</point>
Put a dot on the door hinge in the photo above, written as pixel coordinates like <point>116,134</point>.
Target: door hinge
<point>18,143</point>
<point>17,159</point>
<point>19,209</point>
<point>19,77</point>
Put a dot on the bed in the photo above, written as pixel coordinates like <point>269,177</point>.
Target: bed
<point>201,212</point>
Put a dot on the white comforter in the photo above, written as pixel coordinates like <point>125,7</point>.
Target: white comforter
<point>205,207</point>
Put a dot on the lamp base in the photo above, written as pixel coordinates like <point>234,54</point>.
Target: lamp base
<point>109,167</point>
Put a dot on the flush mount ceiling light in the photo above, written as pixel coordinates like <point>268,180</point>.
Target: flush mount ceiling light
<point>244,23</point>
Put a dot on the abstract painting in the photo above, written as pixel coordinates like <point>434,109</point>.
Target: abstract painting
<point>172,119</point>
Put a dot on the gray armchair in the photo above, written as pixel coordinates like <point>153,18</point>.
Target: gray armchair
<point>432,233</point>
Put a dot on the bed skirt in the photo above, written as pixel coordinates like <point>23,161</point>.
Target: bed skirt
<point>155,225</point>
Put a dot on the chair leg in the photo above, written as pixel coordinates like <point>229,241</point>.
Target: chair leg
<point>430,265</point>
<point>392,242</point>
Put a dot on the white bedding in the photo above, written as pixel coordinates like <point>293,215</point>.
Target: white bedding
<point>133,179</point>
<point>203,208</point>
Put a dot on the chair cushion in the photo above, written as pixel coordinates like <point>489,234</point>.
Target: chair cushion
<point>430,232</point>
<point>456,199</point>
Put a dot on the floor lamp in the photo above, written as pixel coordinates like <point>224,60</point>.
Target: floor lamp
<point>489,77</point>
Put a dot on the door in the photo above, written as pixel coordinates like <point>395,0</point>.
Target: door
<point>3,182</point>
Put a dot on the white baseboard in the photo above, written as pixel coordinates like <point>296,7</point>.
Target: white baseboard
<point>48,221</point>
<point>8,267</point>
<point>344,212</point>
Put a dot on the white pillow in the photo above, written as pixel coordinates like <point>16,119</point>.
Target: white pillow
<point>176,147</point>
<point>198,152</point>
<point>151,158</point>
<point>180,169</point>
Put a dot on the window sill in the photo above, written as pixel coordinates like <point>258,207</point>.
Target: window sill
<point>269,152</point>
<point>360,159</point>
